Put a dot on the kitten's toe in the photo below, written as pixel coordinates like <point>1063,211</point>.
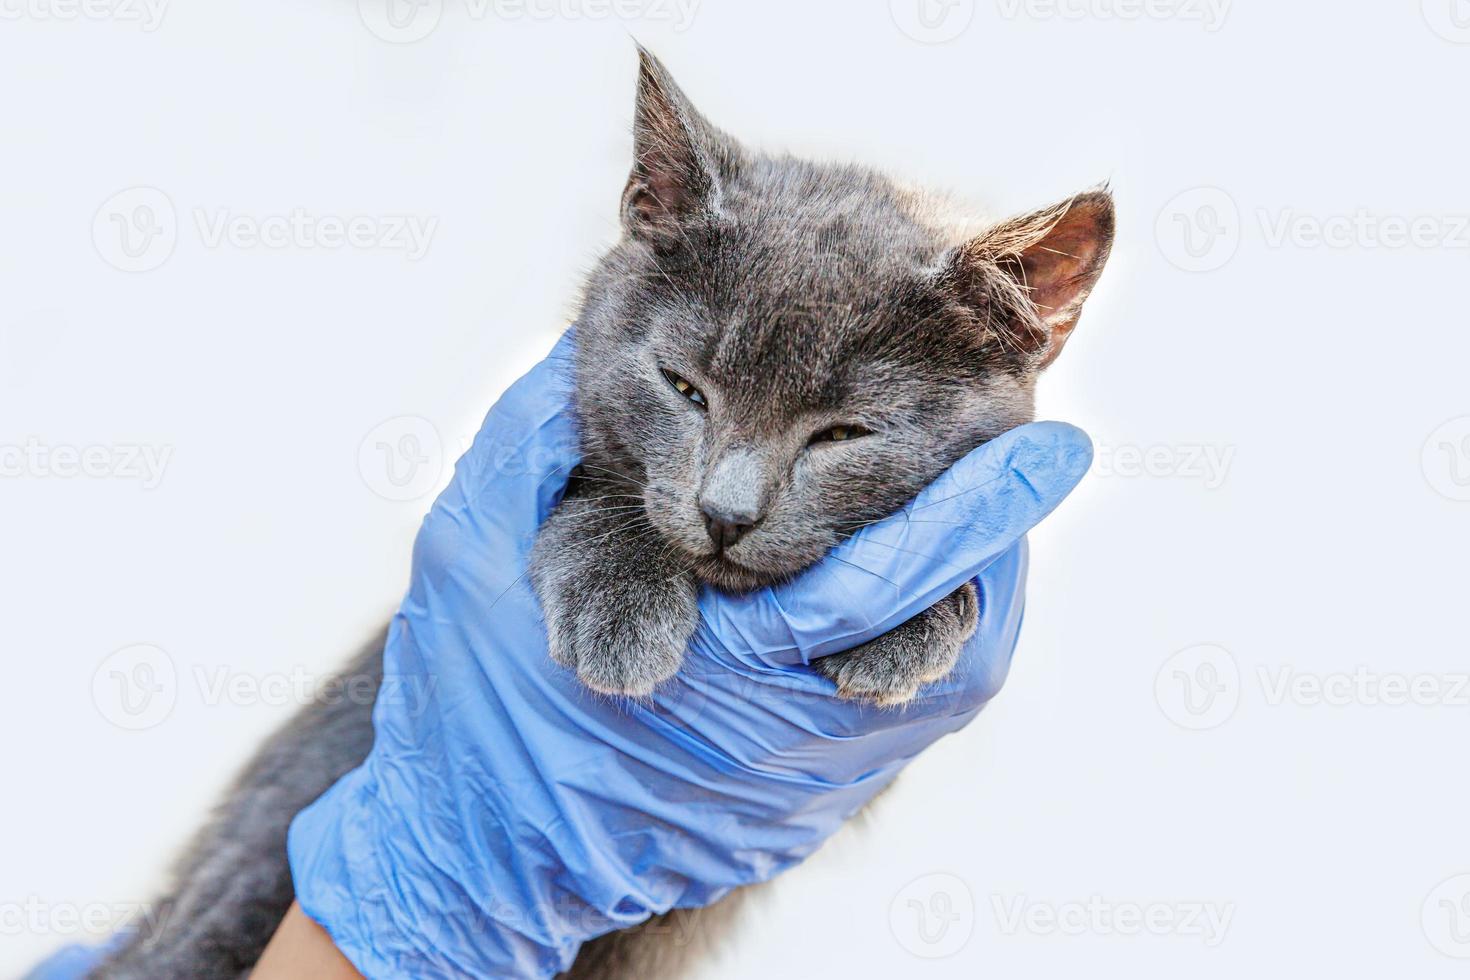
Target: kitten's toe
<point>884,694</point>
<point>620,672</point>
<point>890,669</point>
<point>558,644</point>
<point>625,650</point>
<point>872,675</point>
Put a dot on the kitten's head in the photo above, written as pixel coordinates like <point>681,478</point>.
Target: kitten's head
<point>779,351</point>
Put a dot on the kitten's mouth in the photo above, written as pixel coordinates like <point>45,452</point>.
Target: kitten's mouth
<point>754,564</point>
<point>723,572</point>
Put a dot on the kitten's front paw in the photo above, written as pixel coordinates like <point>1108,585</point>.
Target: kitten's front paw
<point>613,612</point>
<point>623,633</point>
<point>625,645</point>
<point>890,669</point>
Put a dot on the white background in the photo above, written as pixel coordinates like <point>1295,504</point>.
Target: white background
<point>1332,540</point>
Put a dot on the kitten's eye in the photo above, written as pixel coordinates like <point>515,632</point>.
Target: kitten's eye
<point>684,388</point>
<point>840,433</point>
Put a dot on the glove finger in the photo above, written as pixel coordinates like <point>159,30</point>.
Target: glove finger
<point>890,571</point>
<point>516,469</point>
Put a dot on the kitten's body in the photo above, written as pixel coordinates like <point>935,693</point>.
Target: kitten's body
<point>233,885</point>
<point>774,354</point>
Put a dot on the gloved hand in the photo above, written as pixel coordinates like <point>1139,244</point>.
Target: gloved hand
<point>506,814</point>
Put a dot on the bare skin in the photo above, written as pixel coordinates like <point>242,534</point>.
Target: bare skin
<point>302,950</point>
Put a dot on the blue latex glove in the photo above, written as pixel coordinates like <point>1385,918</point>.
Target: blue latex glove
<point>511,814</point>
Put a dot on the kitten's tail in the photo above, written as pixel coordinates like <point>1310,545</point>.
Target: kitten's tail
<point>233,886</point>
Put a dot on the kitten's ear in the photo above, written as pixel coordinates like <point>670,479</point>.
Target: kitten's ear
<point>679,158</point>
<point>1048,261</point>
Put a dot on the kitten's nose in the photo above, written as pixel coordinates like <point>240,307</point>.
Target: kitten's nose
<point>726,529</point>
<point>733,495</point>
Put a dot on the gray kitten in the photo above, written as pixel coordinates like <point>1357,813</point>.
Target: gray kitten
<point>776,353</point>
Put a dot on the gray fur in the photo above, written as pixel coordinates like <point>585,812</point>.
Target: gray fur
<point>890,669</point>
<point>623,628</point>
<point>795,297</point>
<point>233,886</point>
